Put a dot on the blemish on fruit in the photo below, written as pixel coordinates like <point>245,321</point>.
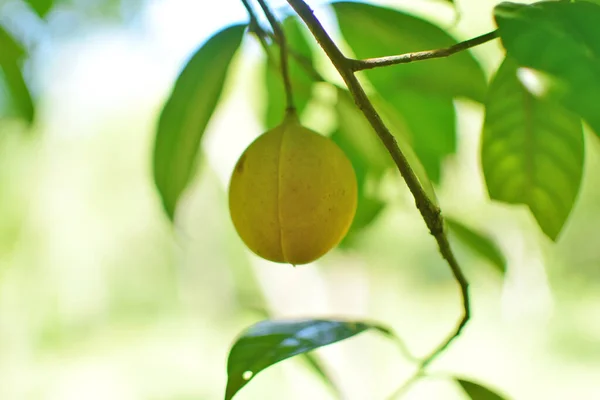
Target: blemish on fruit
<point>239,168</point>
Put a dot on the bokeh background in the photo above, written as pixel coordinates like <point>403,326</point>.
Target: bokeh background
<point>102,298</point>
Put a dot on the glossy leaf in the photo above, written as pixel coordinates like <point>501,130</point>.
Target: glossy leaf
<point>269,342</point>
<point>311,359</point>
<point>302,83</point>
<point>430,123</point>
<point>188,111</point>
<point>374,31</point>
<point>477,392</point>
<point>478,243</point>
<point>560,39</point>
<point>532,151</point>
<point>41,7</point>
<point>11,59</point>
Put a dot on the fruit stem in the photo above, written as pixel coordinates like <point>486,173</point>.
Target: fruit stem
<point>283,52</point>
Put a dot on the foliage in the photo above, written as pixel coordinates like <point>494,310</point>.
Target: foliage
<point>532,139</point>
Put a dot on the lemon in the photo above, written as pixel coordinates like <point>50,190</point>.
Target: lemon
<point>292,194</point>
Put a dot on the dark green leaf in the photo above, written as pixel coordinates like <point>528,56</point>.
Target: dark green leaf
<point>311,359</point>
<point>430,123</point>
<point>373,31</point>
<point>559,39</point>
<point>478,392</point>
<point>532,151</point>
<point>41,7</point>
<point>269,342</point>
<point>11,56</point>
<point>478,243</point>
<point>302,83</point>
<point>187,113</point>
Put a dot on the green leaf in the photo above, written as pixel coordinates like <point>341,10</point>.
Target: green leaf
<point>560,39</point>
<point>478,392</point>
<point>399,129</point>
<point>187,113</point>
<point>311,359</point>
<point>302,83</point>
<point>11,57</point>
<point>532,151</point>
<point>358,134</point>
<point>368,156</point>
<point>478,243</point>
<point>41,7</point>
<point>368,205</point>
<point>373,31</point>
<point>269,342</point>
<point>11,49</point>
<point>430,124</point>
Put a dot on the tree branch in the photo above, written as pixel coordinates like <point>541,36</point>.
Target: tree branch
<point>430,212</point>
<point>370,63</point>
<point>280,37</point>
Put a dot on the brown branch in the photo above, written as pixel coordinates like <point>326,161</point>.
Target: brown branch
<point>430,212</point>
<point>370,63</point>
<point>283,51</point>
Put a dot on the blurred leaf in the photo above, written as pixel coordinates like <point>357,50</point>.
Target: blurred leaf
<point>368,206</point>
<point>368,156</point>
<point>11,56</point>
<point>373,31</point>
<point>187,113</point>
<point>11,49</point>
<point>358,134</point>
<point>398,127</point>
<point>41,7</point>
<point>269,342</point>
<point>430,123</point>
<point>478,392</point>
<point>559,39</point>
<point>302,83</point>
<point>478,243</point>
<point>532,151</point>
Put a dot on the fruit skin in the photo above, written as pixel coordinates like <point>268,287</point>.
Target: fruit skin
<point>292,194</point>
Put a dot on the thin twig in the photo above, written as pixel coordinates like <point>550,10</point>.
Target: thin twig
<point>280,35</point>
<point>370,63</point>
<point>258,31</point>
<point>407,384</point>
<point>301,59</point>
<point>429,211</point>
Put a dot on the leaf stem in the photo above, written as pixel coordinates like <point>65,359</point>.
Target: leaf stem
<point>283,51</point>
<point>430,212</point>
<point>370,63</point>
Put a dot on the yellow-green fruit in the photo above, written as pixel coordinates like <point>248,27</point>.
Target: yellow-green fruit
<point>293,194</point>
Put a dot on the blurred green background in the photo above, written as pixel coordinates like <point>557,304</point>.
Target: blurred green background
<point>102,298</point>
